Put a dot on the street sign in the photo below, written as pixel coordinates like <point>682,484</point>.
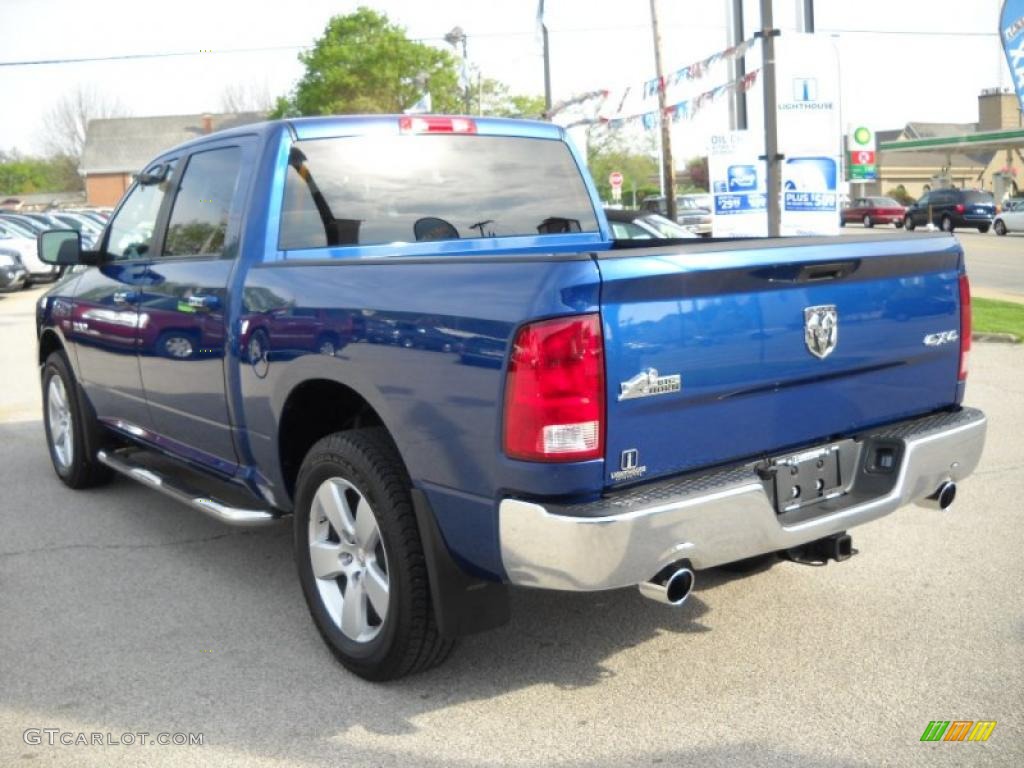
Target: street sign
<point>615,179</point>
<point>863,164</point>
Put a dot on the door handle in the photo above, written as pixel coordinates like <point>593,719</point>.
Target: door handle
<point>203,301</point>
<point>125,297</point>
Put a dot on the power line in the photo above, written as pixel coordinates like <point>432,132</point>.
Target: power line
<point>167,54</point>
<point>578,30</point>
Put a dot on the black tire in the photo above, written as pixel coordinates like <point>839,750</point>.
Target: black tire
<point>868,223</point>
<point>908,223</point>
<point>946,225</point>
<point>984,228</point>
<point>898,224</point>
<point>1000,227</point>
<point>407,638</point>
<point>81,469</point>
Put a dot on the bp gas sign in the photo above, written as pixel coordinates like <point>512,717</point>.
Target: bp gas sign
<point>863,162</point>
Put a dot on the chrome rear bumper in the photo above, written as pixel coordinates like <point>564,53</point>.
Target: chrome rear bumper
<point>725,515</point>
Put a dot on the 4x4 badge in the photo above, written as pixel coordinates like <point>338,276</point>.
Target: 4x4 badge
<point>649,383</point>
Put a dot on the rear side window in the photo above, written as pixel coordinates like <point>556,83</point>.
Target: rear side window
<point>978,198</point>
<point>199,220</point>
<point>372,190</point>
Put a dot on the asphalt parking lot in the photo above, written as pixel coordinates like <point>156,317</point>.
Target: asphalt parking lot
<point>122,612</point>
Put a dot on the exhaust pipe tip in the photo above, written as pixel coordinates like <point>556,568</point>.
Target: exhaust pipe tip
<point>943,497</point>
<point>671,586</point>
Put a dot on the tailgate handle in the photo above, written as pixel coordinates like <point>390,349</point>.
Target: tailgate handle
<point>812,273</point>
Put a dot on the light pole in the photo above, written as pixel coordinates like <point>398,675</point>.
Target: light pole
<point>547,61</point>
<point>454,38</point>
<point>771,130</point>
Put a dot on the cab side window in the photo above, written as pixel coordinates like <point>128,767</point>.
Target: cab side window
<point>131,231</point>
<point>199,220</point>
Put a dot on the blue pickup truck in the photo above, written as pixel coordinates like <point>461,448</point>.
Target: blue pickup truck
<point>417,337</point>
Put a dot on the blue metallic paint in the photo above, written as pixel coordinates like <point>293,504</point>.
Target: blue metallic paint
<point>452,324</point>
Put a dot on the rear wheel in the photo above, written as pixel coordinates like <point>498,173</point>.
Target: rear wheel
<point>868,222</point>
<point>908,222</point>
<point>898,223</point>
<point>984,229</point>
<point>1000,227</point>
<point>946,224</point>
<point>67,424</point>
<point>360,558</point>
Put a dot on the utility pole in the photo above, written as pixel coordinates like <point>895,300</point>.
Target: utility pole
<point>805,10</point>
<point>737,67</point>
<point>547,60</point>
<point>667,167</point>
<point>771,129</point>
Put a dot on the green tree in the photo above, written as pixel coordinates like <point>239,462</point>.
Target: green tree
<point>25,175</point>
<point>365,64</point>
<point>613,151</point>
<point>494,98</point>
<point>697,174</point>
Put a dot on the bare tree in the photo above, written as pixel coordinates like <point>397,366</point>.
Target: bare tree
<point>65,125</point>
<point>246,97</point>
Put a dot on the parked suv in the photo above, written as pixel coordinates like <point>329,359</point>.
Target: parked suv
<point>952,208</point>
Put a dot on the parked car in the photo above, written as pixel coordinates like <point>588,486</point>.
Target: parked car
<point>88,227</point>
<point>952,208</point>
<point>689,213</point>
<point>874,210</point>
<point>13,238</point>
<point>12,274</point>
<point>1011,219</point>
<point>641,225</point>
<point>539,404</point>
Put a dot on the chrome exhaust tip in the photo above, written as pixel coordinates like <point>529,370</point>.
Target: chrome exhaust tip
<point>671,586</point>
<point>943,497</point>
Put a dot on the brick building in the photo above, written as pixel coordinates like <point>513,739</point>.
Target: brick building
<point>116,149</point>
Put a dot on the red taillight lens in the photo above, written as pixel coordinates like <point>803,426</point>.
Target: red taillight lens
<point>415,124</point>
<point>554,394</point>
<point>960,208</point>
<point>965,325</point>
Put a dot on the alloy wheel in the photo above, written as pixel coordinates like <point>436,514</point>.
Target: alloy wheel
<point>348,560</point>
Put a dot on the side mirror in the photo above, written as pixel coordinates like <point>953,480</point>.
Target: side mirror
<point>60,246</point>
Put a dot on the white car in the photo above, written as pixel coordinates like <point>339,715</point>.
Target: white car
<point>13,239</point>
<point>1011,220</point>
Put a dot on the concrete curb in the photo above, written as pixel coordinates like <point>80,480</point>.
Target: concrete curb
<point>996,338</point>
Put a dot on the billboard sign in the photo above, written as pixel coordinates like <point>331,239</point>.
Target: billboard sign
<point>737,185</point>
<point>810,134</point>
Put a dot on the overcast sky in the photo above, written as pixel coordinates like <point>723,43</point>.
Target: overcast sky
<point>901,60</point>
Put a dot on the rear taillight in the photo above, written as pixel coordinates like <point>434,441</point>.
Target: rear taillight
<point>411,124</point>
<point>965,325</point>
<point>554,393</point>
<point>960,208</point>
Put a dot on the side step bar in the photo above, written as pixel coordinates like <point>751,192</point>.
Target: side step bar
<point>125,465</point>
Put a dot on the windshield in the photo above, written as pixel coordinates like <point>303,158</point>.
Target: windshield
<point>33,227</point>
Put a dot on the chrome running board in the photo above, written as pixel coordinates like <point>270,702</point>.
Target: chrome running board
<point>123,463</point>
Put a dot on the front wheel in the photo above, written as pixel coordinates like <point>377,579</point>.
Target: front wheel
<point>946,224</point>
<point>1000,228</point>
<point>360,558</point>
<point>898,223</point>
<point>868,223</point>
<point>68,423</point>
<point>908,223</point>
<point>983,229</point>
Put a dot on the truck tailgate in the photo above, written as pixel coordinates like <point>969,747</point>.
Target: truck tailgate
<point>736,322</point>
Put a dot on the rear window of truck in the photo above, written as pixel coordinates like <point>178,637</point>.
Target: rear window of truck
<point>374,190</point>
